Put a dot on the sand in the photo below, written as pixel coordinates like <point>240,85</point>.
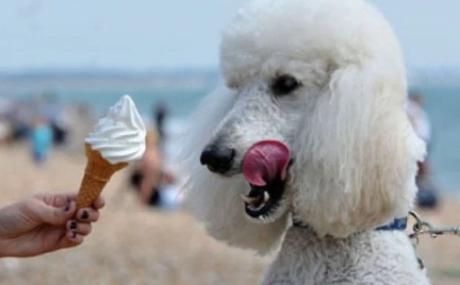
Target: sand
<point>132,244</point>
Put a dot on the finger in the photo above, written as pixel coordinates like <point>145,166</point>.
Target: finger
<point>58,200</point>
<point>70,239</point>
<point>87,215</point>
<point>73,238</point>
<point>79,228</point>
<point>49,214</point>
<point>99,203</point>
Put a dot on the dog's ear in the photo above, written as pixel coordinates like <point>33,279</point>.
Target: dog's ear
<point>358,152</point>
<point>216,200</point>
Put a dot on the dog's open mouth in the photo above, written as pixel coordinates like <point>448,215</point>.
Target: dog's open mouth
<point>265,167</point>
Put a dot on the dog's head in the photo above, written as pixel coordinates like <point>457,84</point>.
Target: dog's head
<point>312,123</point>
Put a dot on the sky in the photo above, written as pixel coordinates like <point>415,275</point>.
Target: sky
<point>176,34</point>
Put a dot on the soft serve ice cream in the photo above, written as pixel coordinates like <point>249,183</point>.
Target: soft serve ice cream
<point>120,135</point>
<point>117,139</point>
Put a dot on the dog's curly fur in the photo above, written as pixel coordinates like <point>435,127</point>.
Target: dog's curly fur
<point>354,149</point>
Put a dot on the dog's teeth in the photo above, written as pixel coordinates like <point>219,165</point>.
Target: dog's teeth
<point>256,208</point>
<point>266,196</point>
<point>248,200</point>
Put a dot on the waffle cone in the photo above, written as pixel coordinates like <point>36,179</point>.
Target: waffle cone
<point>97,173</point>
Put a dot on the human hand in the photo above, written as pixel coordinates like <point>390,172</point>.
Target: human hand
<point>44,223</point>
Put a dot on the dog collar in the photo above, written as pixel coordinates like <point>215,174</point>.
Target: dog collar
<point>398,224</point>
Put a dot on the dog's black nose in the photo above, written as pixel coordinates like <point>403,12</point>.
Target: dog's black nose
<point>218,158</point>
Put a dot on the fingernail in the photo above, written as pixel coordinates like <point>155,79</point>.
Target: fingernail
<point>73,225</point>
<point>84,215</point>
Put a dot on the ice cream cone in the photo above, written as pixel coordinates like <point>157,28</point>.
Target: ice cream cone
<point>97,173</point>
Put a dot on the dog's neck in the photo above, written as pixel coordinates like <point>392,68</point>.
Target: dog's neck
<point>318,259</point>
<point>309,234</point>
<point>398,224</point>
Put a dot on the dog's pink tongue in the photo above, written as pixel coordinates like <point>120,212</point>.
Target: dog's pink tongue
<point>266,161</point>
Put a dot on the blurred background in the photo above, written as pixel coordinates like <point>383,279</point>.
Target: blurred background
<point>63,63</point>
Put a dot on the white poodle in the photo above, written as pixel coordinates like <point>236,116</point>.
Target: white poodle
<point>309,145</point>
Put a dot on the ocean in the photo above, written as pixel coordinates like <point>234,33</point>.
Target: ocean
<point>181,95</point>
<point>442,104</point>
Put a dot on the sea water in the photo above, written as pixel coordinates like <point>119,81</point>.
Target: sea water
<point>442,105</point>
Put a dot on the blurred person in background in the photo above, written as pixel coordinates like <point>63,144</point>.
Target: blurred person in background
<point>427,196</point>
<point>5,131</point>
<point>19,118</point>
<point>44,223</point>
<point>150,176</point>
<point>53,113</point>
<point>41,140</point>
<point>78,121</point>
<point>147,175</point>
<point>5,127</point>
<point>59,133</point>
<point>160,113</point>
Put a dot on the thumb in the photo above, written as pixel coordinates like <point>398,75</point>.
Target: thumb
<point>52,215</point>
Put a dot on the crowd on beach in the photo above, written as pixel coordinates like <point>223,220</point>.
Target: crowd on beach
<point>43,124</point>
<point>40,122</point>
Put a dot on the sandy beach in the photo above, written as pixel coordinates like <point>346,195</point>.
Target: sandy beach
<point>136,245</point>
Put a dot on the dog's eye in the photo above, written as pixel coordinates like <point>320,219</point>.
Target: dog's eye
<point>284,84</point>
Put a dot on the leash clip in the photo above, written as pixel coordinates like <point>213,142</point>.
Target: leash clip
<point>422,227</point>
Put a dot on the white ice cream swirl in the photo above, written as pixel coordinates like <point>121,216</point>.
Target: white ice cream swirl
<point>120,135</point>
